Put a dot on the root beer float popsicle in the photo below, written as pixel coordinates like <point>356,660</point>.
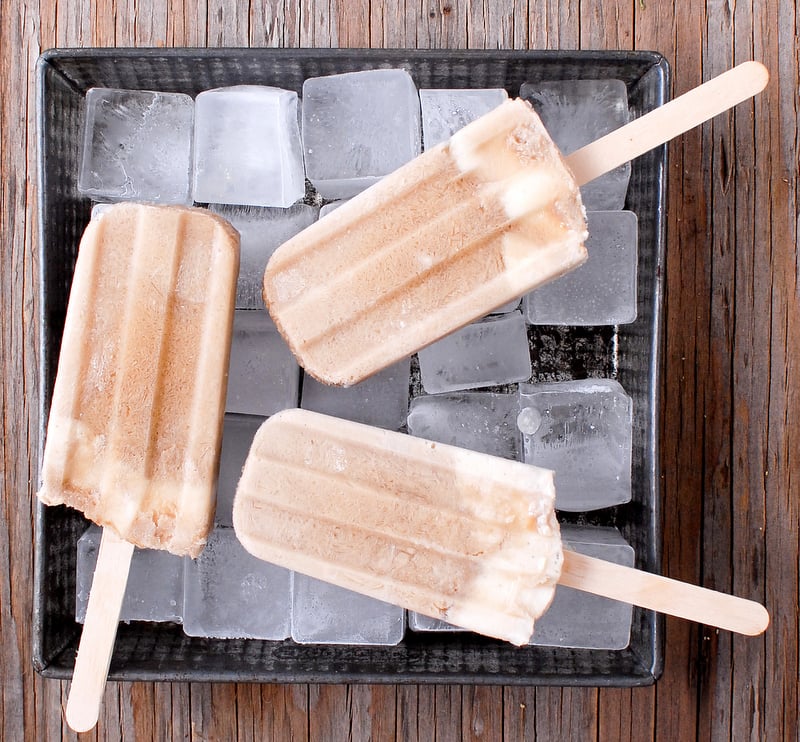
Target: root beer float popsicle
<point>462,229</point>
<point>450,533</point>
<point>135,426</point>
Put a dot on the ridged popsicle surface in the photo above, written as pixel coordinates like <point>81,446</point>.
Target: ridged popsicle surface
<point>440,530</point>
<point>135,423</point>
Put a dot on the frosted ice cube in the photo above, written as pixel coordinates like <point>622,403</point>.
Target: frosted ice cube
<point>230,594</point>
<point>137,146</point>
<point>358,127</point>
<point>480,421</point>
<point>420,622</point>
<point>327,614</point>
<point>262,230</point>
<point>332,206</point>
<point>263,376</point>
<point>603,290</point>
<point>486,353</point>
<point>582,431</point>
<point>579,619</point>
<point>507,307</point>
<point>380,400</point>
<point>576,112</point>
<point>237,436</point>
<point>155,583</point>
<point>247,147</point>
<point>444,112</point>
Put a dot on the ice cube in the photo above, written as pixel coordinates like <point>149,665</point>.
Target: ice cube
<point>480,421</point>
<point>507,307</point>
<point>137,145</point>
<point>263,376</point>
<point>247,147</point>
<point>576,112</point>
<point>332,206</point>
<point>237,436</point>
<point>444,112</point>
<point>486,353</point>
<point>155,582</point>
<point>603,290</point>
<point>579,619</point>
<point>358,127</point>
<point>230,594</point>
<point>420,622</point>
<point>262,230</point>
<point>582,431</point>
<point>380,400</point>
<point>326,614</point>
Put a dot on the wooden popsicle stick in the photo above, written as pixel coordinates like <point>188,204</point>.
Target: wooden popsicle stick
<point>99,631</point>
<point>663,594</point>
<point>673,118</point>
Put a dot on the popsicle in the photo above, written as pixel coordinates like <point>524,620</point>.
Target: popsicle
<point>467,226</point>
<point>135,425</point>
<point>446,532</point>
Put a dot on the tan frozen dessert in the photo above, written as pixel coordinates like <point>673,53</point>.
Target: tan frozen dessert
<point>135,424</point>
<point>447,532</point>
<point>464,228</point>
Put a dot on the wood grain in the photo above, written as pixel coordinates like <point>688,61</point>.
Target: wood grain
<point>730,436</point>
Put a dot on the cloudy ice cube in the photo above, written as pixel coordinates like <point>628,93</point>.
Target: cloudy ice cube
<point>238,432</point>
<point>480,421</point>
<point>247,147</point>
<point>602,291</point>
<point>444,112</point>
<point>230,594</point>
<point>576,112</point>
<point>358,127</point>
<point>582,431</point>
<point>155,582</point>
<point>507,307</point>
<point>263,376</point>
<point>380,400</point>
<point>137,145</point>
<point>486,353</point>
<point>327,614</point>
<point>578,619</point>
<point>262,230</point>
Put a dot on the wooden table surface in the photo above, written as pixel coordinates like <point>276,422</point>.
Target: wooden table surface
<point>730,435</point>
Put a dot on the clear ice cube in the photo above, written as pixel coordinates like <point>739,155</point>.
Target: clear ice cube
<point>480,421</point>
<point>263,376</point>
<point>332,206</point>
<point>576,112</point>
<point>444,112</point>
<point>578,619</point>
<point>247,147</point>
<point>327,614</point>
<point>582,431</point>
<point>507,307</point>
<point>155,582</point>
<point>380,400</point>
<point>486,353</point>
<point>358,127</point>
<point>262,230</point>
<point>137,146</point>
<point>602,291</point>
<point>238,432</point>
<point>230,594</point>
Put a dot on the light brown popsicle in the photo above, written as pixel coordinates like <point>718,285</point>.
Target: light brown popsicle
<point>135,423</point>
<point>450,533</point>
<point>135,426</point>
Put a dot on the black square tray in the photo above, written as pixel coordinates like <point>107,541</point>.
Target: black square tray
<point>630,353</point>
